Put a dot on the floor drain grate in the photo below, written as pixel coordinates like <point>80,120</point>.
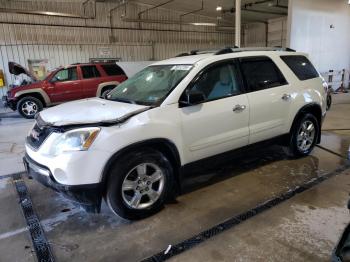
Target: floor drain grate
<point>230,223</point>
<point>41,245</point>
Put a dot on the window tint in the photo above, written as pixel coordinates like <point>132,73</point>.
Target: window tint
<point>68,74</point>
<point>219,81</point>
<point>90,72</point>
<point>301,66</point>
<point>261,73</point>
<point>112,69</point>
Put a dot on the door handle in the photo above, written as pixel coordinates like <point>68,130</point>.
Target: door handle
<point>286,97</point>
<point>239,108</point>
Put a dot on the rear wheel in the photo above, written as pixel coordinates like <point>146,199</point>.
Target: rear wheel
<point>139,184</point>
<point>106,91</point>
<point>29,106</point>
<point>329,101</point>
<point>304,135</point>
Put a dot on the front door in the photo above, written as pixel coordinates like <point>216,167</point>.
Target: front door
<point>220,123</point>
<point>65,86</point>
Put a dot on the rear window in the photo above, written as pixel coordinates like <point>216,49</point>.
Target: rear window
<point>301,66</point>
<point>112,70</point>
<point>261,73</point>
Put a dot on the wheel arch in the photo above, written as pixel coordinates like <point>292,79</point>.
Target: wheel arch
<point>104,85</point>
<point>314,109</point>
<point>165,146</point>
<point>37,93</point>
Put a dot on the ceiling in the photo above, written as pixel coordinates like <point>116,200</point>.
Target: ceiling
<point>252,10</point>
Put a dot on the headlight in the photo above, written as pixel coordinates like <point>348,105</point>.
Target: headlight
<point>74,140</point>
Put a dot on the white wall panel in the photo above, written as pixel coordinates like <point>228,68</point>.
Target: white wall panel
<point>322,29</point>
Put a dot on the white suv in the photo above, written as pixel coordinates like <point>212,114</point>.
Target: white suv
<point>132,147</point>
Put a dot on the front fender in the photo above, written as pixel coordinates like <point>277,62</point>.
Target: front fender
<point>37,91</point>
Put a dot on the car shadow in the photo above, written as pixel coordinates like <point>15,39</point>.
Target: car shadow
<point>238,163</point>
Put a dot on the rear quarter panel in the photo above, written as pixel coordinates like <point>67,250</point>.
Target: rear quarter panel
<point>303,92</point>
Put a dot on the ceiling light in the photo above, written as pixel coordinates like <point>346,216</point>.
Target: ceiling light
<point>219,8</point>
<point>204,24</point>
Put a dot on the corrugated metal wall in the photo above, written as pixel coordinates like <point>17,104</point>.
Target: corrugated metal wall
<point>277,32</point>
<point>63,41</point>
<point>255,34</point>
<point>271,33</point>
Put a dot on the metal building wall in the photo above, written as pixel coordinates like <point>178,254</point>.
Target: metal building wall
<point>68,40</point>
<point>255,34</point>
<point>277,32</point>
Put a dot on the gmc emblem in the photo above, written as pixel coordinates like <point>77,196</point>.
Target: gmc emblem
<point>34,134</point>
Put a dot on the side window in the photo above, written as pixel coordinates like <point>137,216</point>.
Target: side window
<point>112,70</point>
<point>67,74</point>
<point>90,72</point>
<point>219,81</point>
<point>261,73</point>
<point>301,66</point>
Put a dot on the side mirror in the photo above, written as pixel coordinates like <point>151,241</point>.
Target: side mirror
<point>192,97</point>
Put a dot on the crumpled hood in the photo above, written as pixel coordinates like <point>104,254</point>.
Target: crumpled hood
<point>90,111</point>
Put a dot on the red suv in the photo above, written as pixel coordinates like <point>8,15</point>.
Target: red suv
<point>64,84</point>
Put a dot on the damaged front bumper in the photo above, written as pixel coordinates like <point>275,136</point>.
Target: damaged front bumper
<point>89,196</point>
<point>9,103</point>
<point>341,252</point>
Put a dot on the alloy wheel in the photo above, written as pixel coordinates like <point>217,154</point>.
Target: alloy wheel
<point>29,108</point>
<point>143,186</point>
<point>306,136</point>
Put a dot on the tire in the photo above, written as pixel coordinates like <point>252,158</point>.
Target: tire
<point>29,106</point>
<point>329,102</point>
<point>304,135</point>
<point>105,91</point>
<point>124,187</point>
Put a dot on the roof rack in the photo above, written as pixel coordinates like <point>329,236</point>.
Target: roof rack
<point>234,49</point>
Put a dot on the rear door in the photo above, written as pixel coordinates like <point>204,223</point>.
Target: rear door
<point>91,78</point>
<point>65,86</point>
<point>220,123</point>
<point>269,95</point>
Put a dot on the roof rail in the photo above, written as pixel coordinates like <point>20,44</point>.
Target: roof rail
<point>235,49</point>
<point>198,52</point>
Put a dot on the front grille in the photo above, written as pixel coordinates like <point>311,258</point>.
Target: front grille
<point>38,135</point>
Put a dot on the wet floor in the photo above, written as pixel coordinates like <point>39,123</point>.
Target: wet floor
<point>211,197</point>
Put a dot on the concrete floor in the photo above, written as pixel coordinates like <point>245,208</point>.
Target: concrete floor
<point>304,228</point>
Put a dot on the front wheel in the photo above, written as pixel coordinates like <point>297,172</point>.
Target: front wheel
<point>304,135</point>
<point>29,106</point>
<point>139,183</point>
